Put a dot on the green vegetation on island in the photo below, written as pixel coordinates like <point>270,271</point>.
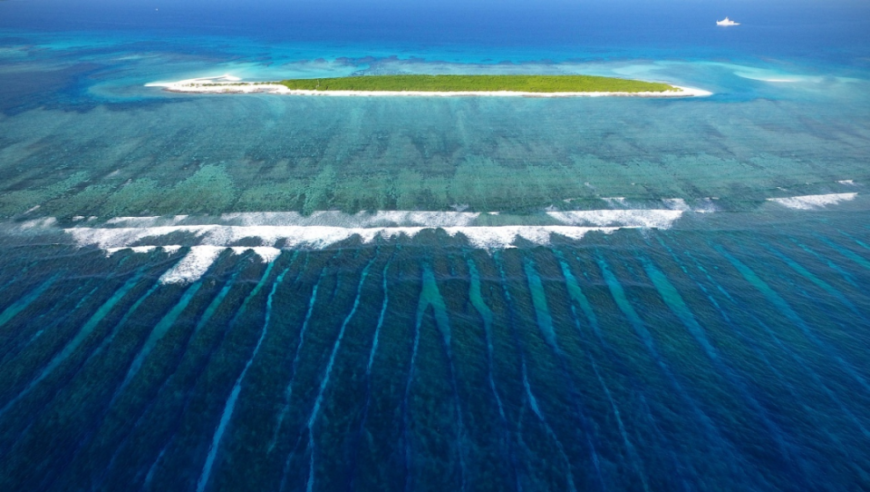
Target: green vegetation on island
<point>478,83</point>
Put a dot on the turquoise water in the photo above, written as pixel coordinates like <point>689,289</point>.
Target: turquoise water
<point>256,292</point>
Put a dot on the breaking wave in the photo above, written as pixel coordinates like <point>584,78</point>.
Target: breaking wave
<point>659,219</point>
<point>271,232</point>
<point>812,202</point>
<point>266,234</point>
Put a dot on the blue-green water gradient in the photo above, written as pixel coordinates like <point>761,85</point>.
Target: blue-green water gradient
<point>263,292</point>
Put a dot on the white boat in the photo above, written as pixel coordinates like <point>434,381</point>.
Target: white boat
<point>726,22</point>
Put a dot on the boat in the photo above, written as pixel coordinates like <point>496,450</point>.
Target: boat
<point>726,22</point>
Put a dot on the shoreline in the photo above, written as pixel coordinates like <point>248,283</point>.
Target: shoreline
<point>226,84</point>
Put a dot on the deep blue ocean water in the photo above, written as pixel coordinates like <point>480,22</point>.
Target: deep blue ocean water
<point>259,292</point>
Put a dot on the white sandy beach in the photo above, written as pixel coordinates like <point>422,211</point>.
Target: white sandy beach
<point>227,84</point>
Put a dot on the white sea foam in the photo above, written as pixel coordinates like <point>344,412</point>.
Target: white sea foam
<point>152,221</point>
<point>267,254</point>
<point>318,237</point>
<point>273,231</point>
<point>263,218</point>
<point>847,182</point>
<point>491,238</point>
<point>321,236</point>
<point>44,223</point>
<point>135,249</point>
<point>133,221</point>
<point>200,258</point>
<point>676,204</point>
<point>361,219</point>
<point>655,218</point>
<point>122,237</point>
<point>120,231</point>
<point>811,202</point>
<point>193,266</point>
<point>707,206</point>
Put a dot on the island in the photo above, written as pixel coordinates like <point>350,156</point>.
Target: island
<point>438,85</point>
